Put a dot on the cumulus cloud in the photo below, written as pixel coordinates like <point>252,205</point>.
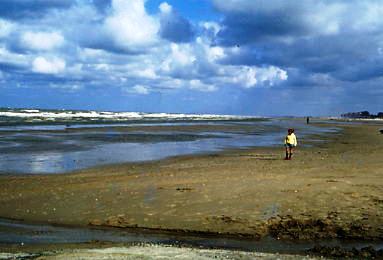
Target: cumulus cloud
<point>248,21</point>
<point>211,53</point>
<point>137,89</point>
<point>179,61</point>
<point>182,54</point>
<point>202,60</point>
<point>315,36</point>
<point>12,60</point>
<point>41,41</point>
<point>97,40</point>
<point>129,26</point>
<point>6,28</point>
<point>197,84</point>
<point>48,66</point>
<point>272,75</point>
<point>251,76</point>
<point>141,47</point>
<point>147,73</point>
<point>165,8</point>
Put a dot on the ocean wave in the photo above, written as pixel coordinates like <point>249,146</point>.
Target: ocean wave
<point>72,114</point>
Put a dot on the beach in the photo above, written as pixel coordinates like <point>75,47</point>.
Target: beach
<point>332,188</point>
<point>147,252</point>
<point>144,129</point>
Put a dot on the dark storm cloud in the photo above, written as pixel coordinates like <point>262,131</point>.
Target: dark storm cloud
<point>175,28</point>
<point>338,38</point>
<point>249,21</point>
<point>364,71</point>
<point>345,57</point>
<point>22,9</point>
<point>246,28</point>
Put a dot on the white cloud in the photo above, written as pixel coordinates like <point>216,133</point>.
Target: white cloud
<point>181,55</point>
<point>251,76</point>
<point>369,15</point>
<point>75,70</point>
<point>165,8</point>
<point>160,65</point>
<point>66,87</point>
<point>245,76</point>
<point>48,66</point>
<point>271,75</point>
<point>171,83</point>
<point>5,28</point>
<point>41,40</point>
<point>318,17</point>
<point>212,53</point>
<point>102,67</point>
<point>211,26</point>
<point>130,26</point>
<point>7,57</point>
<point>197,84</point>
<point>88,54</point>
<point>140,89</point>
<point>325,19</point>
<point>147,73</point>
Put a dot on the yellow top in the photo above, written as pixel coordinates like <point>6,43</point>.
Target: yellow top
<point>291,139</point>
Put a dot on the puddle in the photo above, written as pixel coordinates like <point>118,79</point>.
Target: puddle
<point>16,232</point>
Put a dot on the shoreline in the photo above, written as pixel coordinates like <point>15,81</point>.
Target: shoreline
<point>155,192</point>
<point>155,239</point>
<point>310,140</point>
<point>50,151</point>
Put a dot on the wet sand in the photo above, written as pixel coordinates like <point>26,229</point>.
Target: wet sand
<point>140,252</point>
<point>333,189</point>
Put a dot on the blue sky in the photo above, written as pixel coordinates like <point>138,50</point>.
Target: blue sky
<point>251,57</point>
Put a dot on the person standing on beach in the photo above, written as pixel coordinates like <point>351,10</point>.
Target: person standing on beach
<point>290,143</point>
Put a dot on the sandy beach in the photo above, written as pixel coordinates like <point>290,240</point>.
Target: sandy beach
<point>333,189</point>
<point>147,252</point>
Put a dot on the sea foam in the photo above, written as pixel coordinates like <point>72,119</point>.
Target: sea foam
<point>69,114</point>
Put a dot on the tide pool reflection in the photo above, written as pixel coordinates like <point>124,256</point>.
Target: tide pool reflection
<point>50,152</point>
<point>59,162</point>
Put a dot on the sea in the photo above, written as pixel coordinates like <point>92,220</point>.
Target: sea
<point>38,141</point>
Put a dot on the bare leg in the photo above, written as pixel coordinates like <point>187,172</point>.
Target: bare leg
<point>290,152</point>
<point>287,153</point>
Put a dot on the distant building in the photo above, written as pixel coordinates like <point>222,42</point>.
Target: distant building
<point>362,114</point>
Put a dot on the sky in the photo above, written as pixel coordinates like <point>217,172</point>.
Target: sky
<point>245,57</point>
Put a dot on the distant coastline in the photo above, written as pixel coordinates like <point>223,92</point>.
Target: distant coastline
<point>362,115</point>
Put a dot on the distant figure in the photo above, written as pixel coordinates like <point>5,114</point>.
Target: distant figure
<point>290,143</point>
<point>308,120</point>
